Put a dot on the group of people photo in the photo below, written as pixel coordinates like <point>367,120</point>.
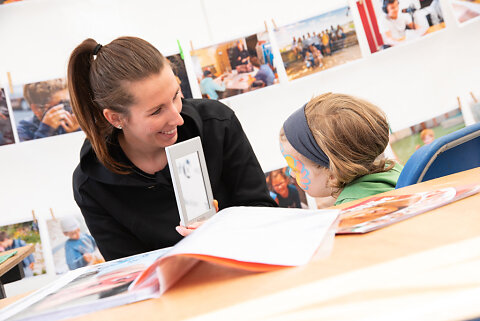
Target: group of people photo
<point>235,67</point>
<point>318,43</point>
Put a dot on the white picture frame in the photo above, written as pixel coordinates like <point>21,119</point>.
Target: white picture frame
<point>191,182</point>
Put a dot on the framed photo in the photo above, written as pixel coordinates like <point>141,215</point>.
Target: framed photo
<point>318,43</point>
<point>190,181</point>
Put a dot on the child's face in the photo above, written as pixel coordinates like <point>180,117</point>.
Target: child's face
<point>74,235</point>
<point>428,139</point>
<point>314,180</point>
<point>392,9</point>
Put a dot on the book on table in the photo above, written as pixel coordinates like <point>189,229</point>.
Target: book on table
<point>380,211</point>
<point>250,238</point>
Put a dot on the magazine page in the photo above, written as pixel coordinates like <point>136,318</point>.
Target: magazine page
<point>253,238</point>
<point>87,289</point>
<point>378,212</point>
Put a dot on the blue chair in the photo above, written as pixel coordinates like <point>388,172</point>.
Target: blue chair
<point>452,153</point>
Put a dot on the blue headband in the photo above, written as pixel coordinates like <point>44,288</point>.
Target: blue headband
<point>300,137</point>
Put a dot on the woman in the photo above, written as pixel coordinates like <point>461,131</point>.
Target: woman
<point>128,102</point>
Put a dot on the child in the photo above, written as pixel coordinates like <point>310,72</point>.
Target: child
<point>80,248</point>
<point>427,136</point>
<point>334,145</point>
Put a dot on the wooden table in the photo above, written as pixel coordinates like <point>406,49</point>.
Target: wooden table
<point>12,269</point>
<point>423,268</point>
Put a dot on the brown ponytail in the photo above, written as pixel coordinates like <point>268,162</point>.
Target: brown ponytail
<point>100,83</point>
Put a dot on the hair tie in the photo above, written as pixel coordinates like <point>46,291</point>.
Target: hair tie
<point>301,138</point>
<point>97,49</point>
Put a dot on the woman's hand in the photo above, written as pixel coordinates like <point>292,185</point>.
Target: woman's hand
<point>184,231</point>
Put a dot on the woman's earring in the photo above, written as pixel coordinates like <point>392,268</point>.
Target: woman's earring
<point>119,126</point>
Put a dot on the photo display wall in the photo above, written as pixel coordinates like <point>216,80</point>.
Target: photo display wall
<point>222,70</point>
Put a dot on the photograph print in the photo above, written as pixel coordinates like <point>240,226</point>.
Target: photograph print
<point>6,132</point>
<point>284,189</point>
<point>235,67</point>
<point>178,66</point>
<point>20,234</point>
<point>71,243</point>
<point>466,10</point>
<point>389,23</point>
<point>42,109</point>
<point>318,43</point>
<point>405,142</point>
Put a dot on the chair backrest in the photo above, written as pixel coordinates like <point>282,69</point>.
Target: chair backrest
<point>452,153</point>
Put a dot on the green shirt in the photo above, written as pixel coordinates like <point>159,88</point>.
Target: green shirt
<point>369,185</point>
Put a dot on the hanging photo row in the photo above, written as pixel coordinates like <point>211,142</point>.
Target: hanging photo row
<point>69,243</point>
<point>324,41</point>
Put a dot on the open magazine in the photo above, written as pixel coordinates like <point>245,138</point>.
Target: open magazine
<point>251,238</point>
<point>381,211</point>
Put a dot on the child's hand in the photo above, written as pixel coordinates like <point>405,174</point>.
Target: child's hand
<point>184,231</point>
<point>88,257</point>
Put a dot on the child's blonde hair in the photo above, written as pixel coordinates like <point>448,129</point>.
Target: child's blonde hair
<point>425,132</point>
<point>352,132</point>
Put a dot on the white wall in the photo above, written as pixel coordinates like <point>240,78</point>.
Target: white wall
<point>411,83</point>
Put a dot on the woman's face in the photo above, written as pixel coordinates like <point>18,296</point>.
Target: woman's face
<point>280,185</point>
<point>314,180</point>
<point>155,113</point>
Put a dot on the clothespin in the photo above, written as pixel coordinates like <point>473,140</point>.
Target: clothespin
<point>474,98</point>
<point>10,84</point>
<point>34,218</point>
<point>459,102</point>
<point>180,49</point>
<point>53,216</point>
<point>274,24</point>
<point>191,45</point>
<point>266,27</point>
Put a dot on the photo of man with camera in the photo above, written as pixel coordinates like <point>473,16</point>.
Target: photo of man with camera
<point>52,113</point>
